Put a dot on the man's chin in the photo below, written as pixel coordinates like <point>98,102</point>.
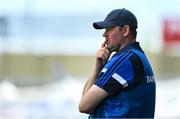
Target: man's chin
<point>112,49</point>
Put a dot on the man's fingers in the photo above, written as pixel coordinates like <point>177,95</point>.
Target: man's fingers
<point>103,53</point>
<point>104,44</point>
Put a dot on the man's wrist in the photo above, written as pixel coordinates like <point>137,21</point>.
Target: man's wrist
<point>96,70</point>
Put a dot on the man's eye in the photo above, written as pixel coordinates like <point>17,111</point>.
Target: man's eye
<point>109,29</point>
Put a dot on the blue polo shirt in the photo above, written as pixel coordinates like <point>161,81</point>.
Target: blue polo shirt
<point>129,80</point>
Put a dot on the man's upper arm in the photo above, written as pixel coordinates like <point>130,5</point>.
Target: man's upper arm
<point>91,99</point>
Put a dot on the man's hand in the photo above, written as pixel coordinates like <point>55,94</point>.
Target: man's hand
<point>92,94</point>
<point>102,56</point>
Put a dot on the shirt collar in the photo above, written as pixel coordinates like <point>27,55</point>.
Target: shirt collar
<point>130,46</point>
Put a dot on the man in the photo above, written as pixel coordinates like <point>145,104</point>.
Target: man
<point>122,86</point>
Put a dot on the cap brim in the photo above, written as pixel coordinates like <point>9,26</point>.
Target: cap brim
<point>101,25</point>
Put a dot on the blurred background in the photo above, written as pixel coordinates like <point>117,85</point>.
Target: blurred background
<point>47,49</point>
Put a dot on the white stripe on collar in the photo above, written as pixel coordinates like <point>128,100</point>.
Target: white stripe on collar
<point>104,70</point>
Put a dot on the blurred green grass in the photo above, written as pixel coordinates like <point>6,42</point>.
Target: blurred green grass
<point>20,66</point>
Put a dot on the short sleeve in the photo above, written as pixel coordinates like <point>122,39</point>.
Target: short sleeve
<point>119,73</point>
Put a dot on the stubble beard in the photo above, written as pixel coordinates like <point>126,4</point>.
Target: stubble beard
<point>112,48</point>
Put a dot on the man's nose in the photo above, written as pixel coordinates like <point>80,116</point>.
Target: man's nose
<point>105,34</point>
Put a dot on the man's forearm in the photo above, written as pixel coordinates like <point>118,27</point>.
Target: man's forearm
<point>92,95</point>
<point>91,80</point>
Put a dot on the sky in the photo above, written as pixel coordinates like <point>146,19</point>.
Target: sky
<point>148,12</point>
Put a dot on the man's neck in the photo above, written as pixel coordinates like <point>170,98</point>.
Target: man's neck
<point>127,42</point>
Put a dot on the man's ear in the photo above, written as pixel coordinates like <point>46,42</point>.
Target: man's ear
<point>126,30</point>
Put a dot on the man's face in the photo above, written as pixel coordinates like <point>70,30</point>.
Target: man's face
<point>114,38</point>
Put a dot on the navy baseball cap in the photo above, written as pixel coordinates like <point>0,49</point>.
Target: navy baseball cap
<point>117,17</point>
